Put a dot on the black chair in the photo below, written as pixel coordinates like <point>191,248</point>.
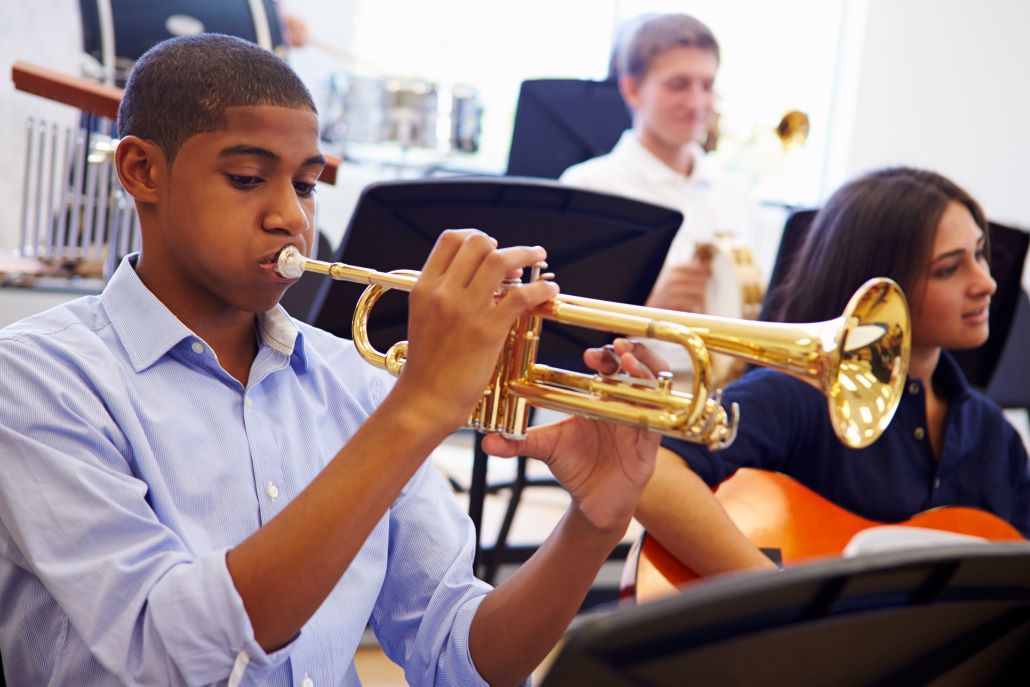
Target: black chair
<point>602,246</point>
<point>943,616</point>
<point>997,367</point>
<point>561,122</point>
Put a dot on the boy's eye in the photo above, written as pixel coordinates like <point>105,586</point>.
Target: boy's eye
<point>244,181</point>
<point>303,189</point>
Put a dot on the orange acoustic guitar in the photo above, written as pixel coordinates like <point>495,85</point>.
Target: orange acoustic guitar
<point>792,523</point>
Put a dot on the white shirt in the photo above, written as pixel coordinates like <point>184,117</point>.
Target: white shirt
<point>711,202</point>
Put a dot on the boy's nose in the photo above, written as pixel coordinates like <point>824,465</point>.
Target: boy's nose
<point>287,213</point>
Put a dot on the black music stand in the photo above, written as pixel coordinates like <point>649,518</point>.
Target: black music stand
<point>561,122</point>
<point>946,616</point>
<point>601,246</point>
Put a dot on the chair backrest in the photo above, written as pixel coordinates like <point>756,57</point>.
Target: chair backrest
<point>981,365</point>
<point>562,122</point>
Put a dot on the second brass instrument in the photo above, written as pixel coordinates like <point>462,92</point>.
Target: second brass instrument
<point>859,360</point>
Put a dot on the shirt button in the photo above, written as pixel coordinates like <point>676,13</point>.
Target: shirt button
<point>913,388</point>
<point>272,491</point>
<point>937,483</point>
<point>197,347</point>
<point>247,402</point>
<point>307,681</point>
<point>919,433</point>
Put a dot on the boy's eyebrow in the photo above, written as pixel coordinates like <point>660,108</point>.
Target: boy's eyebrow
<point>267,154</point>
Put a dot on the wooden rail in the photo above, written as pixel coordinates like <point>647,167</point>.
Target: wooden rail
<point>95,98</point>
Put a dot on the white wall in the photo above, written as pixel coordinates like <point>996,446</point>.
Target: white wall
<point>943,84</point>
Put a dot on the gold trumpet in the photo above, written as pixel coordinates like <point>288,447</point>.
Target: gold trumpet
<point>859,360</point>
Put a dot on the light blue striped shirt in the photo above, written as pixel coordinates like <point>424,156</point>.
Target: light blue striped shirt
<point>130,462</point>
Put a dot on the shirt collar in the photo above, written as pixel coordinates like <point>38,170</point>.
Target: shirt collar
<point>148,329</point>
<point>631,151</point>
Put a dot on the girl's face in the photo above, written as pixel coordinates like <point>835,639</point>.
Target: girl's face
<point>951,299</point>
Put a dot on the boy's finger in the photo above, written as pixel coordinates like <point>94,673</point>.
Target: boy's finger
<point>494,268</point>
<point>447,246</point>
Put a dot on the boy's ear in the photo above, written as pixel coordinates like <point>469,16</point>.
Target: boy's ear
<point>141,168</point>
<point>628,89</point>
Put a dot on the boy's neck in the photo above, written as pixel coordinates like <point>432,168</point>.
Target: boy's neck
<point>679,158</point>
<point>234,343</point>
<point>229,332</point>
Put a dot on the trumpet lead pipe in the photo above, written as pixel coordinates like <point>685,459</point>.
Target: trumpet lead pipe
<point>291,264</point>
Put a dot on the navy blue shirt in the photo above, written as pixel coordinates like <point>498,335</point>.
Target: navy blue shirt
<point>785,427</point>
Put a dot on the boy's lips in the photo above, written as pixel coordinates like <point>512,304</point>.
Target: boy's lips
<point>273,258</point>
<point>270,263</point>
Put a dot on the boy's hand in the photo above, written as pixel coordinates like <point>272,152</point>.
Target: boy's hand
<point>456,326</point>
<point>604,466</point>
<point>682,286</point>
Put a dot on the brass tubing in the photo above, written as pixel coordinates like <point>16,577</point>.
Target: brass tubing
<point>859,360</point>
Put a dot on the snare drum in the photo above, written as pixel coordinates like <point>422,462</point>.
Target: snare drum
<point>410,113</point>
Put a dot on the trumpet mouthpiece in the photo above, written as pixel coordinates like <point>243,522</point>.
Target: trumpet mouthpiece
<point>290,263</point>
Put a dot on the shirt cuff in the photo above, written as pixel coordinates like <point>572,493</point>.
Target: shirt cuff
<point>204,626</point>
<point>461,630</point>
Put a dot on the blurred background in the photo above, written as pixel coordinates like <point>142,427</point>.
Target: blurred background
<point>936,83</point>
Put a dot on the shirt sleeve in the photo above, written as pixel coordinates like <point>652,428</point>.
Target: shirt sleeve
<point>148,609</point>
<point>429,597</point>
<point>776,413</point>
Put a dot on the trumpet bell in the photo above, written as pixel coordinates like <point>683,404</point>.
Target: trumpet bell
<point>872,368</point>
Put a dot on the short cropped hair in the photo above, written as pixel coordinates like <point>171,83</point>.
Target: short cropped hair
<point>645,37</point>
<point>182,87</point>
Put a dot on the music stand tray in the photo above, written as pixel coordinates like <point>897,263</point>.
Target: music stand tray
<point>955,615</point>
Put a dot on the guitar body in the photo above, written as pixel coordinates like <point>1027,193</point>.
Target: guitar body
<point>781,515</point>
